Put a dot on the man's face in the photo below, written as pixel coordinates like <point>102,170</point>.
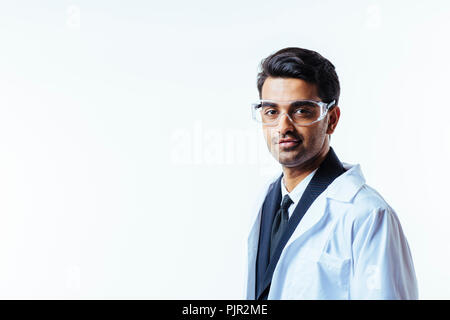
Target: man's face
<point>311,139</point>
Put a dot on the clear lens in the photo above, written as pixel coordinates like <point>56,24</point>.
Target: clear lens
<point>302,112</point>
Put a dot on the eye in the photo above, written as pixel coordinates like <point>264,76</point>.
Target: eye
<point>302,111</point>
<point>270,112</point>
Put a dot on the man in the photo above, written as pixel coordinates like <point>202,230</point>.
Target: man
<point>320,231</point>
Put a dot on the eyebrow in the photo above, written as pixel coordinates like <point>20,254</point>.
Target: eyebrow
<point>295,103</point>
<point>268,104</point>
<point>301,103</point>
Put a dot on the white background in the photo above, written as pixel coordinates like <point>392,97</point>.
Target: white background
<point>129,161</point>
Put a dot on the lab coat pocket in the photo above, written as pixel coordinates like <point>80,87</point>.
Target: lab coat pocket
<point>317,275</point>
<point>334,276</point>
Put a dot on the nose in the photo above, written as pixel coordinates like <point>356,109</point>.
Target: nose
<point>284,124</point>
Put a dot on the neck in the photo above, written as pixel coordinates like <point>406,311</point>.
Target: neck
<point>292,176</point>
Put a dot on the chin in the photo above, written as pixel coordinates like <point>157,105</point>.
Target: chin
<point>292,158</point>
<point>289,161</point>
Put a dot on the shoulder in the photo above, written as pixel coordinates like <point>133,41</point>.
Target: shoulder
<point>367,199</point>
<point>369,210</point>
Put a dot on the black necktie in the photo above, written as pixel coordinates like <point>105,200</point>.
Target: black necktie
<point>280,223</point>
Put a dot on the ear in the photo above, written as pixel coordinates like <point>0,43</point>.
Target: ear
<point>333,119</point>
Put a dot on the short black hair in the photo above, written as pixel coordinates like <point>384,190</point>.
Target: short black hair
<point>303,64</point>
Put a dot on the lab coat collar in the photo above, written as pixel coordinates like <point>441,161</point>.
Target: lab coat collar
<point>343,188</point>
<point>353,179</point>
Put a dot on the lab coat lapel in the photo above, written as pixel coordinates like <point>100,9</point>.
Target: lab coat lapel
<point>269,208</point>
<point>329,170</point>
<point>267,197</point>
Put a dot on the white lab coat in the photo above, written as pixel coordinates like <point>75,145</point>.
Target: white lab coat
<point>348,245</point>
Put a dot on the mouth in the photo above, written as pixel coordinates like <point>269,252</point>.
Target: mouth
<point>286,144</point>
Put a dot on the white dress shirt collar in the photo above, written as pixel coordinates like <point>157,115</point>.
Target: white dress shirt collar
<point>297,193</point>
